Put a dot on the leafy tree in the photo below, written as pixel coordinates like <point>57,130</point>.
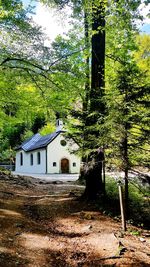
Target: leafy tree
<point>23,86</point>
<point>120,44</point>
<point>142,54</point>
<point>129,125</point>
<point>38,123</point>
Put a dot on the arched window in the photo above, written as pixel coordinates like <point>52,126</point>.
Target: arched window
<point>38,158</point>
<point>31,159</point>
<point>21,159</point>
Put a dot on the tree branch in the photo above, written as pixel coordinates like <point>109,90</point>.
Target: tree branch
<point>63,57</point>
<point>115,59</point>
<point>22,60</point>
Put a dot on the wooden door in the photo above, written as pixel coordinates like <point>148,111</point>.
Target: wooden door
<point>65,166</point>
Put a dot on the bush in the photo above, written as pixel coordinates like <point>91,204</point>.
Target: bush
<point>139,202</point>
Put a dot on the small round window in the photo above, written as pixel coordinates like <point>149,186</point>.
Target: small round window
<point>63,142</point>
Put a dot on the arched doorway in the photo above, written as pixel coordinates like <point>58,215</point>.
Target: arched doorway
<point>64,165</point>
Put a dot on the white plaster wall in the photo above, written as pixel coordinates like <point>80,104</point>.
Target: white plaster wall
<point>27,167</point>
<point>56,152</point>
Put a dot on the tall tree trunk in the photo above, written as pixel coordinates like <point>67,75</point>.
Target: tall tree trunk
<point>126,159</point>
<point>94,185</point>
<point>98,58</point>
<point>126,169</point>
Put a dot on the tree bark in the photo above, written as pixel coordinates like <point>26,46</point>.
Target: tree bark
<point>126,170</point>
<point>98,58</point>
<point>94,184</point>
<point>93,176</point>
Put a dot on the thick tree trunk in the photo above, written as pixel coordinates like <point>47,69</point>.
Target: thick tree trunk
<point>94,184</point>
<point>98,58</point>
<point>93,176</point>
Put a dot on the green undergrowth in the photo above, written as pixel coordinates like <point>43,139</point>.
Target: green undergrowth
<point>138,206</point>
<point>4,171</point>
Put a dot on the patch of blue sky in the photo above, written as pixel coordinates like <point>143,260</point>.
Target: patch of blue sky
<point>145,29</point>
<point>26,3</point>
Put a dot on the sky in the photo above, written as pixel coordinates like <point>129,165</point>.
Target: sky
<point>145,28</point>
<point>54,23</point>
<point>51,22</point>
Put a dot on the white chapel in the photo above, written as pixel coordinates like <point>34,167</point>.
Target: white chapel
<point>49,154</point>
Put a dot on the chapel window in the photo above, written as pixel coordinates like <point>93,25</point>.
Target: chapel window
<point>38,158</point>
<point>63,142</point>
<point>31,159</point>
<point>21,159</point>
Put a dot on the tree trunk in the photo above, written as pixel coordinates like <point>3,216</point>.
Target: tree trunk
<point>124,152</point>
<point>98,59</point>
<point>126,159</point>
<point>93,176</point>
<point>94,185</point>
<point>126,170</point>
<point>104,177</point>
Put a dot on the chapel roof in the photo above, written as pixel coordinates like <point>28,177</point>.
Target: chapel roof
<point>37,141</point>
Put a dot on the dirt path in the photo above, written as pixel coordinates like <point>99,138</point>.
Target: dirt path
<point>45,225</point>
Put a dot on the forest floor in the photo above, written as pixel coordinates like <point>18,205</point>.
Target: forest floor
<point>44,224</point>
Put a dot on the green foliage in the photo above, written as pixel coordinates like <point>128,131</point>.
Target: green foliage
<point>37,81</point>
<point>13,134</point>
<point>135,232</point>
<point>10,137</point>
<point>38,123</point>
<point>142,55</point>
<point>139,205</point>
<point>127,96</point>
<point>112,188</point>
<point>47,129</point>
<point>4,171</point>
<point>27,134</point>
<point>138,202</point>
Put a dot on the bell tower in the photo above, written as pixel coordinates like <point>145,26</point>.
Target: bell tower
<point>59,125</point>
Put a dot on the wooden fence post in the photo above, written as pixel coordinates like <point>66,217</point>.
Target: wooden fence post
<point>122,208</point>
